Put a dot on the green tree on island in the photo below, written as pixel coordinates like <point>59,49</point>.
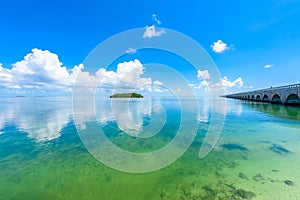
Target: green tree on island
<point>126,95</point>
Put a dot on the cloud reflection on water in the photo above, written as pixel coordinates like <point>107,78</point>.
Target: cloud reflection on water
<point>43,118</point>
<point>40,117</point>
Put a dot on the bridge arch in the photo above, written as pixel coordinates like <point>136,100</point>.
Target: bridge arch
<point>292,99</point>
<point>276,99</point>
<point>286,95</point>
<point>258,98</point>
<point>265,98</point>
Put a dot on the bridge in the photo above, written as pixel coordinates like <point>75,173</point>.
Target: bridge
<point>287,95</point>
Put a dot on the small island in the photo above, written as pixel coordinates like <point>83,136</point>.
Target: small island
<point>126,95</point>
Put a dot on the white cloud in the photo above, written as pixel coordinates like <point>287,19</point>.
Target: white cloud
<point>131,50</point>
<point>42,70</point>
<point>158,86</point>
<point>236,83</point>
<point>203,74</point>
<point>224,83</point>
<point>203,84</point>
<point>178,90</point>
<point>38,69</point>
<point>154,17</point>
<point>152,32</point>
<point>158,90</point>
<point>268,66</point>
<point>157,83</point>
<point>84,79</point>
<point>5,76</point>
<point>219,46</point>
<point>127,76</point>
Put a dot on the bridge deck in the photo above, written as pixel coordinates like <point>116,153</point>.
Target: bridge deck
<point>287,95</point>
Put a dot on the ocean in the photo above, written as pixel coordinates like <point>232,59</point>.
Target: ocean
<point>48,150</point>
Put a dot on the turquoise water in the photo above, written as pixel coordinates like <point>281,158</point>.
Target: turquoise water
<point>42,157</point>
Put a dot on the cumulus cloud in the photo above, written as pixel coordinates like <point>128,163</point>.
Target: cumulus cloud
<point>128,75</point>
<point>236,83</point>
<point>219,46</point>
<point>268,66</point>
<point>203,84</point>
<point>5,77</point>
<point>151,31</point>
<point>38,69</point>
<point>203,74</point>
<point>157,83</point>
<point>224,82</point>
<point>131,50</point>
<point>160,90</point>
<point>42,70</point>
<point>158,86</point>
<point>154,17</point>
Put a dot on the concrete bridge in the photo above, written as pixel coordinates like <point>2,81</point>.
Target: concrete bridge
<point>287,95</point>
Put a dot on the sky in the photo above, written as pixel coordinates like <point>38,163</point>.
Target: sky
<point>254,44</point>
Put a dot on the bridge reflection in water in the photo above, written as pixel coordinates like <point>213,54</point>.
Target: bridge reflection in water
<point>286,112</point>
<point>287,95</point>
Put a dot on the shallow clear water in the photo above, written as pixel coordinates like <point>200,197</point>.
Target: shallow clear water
<point>42,156</point>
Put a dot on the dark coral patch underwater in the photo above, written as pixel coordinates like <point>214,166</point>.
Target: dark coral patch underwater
<point>279,149</point>
<point>234,146</point>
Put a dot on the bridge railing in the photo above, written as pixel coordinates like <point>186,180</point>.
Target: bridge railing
<point>269,89</point>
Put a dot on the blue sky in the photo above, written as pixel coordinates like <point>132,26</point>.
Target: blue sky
<point>262,37</point>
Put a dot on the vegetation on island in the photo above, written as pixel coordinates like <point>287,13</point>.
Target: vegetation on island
<point>126,95</point>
